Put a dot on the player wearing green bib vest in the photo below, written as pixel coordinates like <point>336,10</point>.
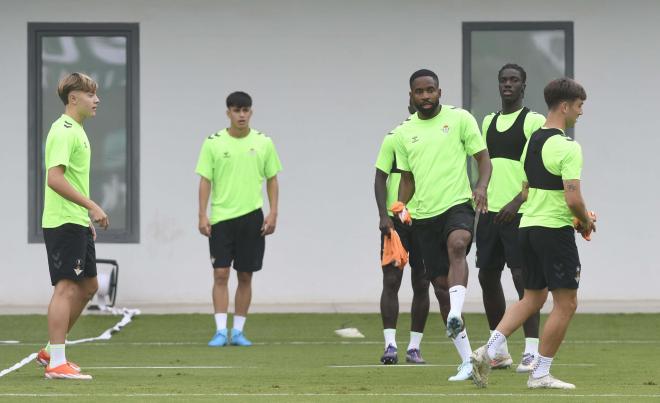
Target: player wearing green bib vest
<point>551,186</point>
<point>431,150</point>
<point>506,133</point>
<point>233,164</point>
<point>386,188</point>
<point>68,232</point>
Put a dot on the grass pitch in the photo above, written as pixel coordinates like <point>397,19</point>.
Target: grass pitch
<point>297,357</point>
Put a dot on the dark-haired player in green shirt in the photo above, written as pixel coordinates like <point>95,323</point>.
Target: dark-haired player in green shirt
<point>552,164</point>
<point>233,165</point>
<point>386,188</point>
<point>431,150</point>
<point>506,133</point>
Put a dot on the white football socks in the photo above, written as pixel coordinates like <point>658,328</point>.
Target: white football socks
<point>532,346</point>
<point>415,340</point>
<point>503,349</point>
<point>239,322</point>
<point>462,344</point>
<point>542,367</point>
<point>57,355</point>
<point>494,343</point>
<point>220,321</point>
<point>390,337</point>
<point>456,300</point>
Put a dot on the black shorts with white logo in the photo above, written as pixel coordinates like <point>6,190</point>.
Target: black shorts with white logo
<point>409,241</point>
<point>238,240</point>
<point>71,252</point>
<point>433,234</point>
<point>550,258</point>
<point>497,243</point>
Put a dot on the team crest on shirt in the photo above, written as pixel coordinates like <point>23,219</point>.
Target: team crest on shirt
<point>78,267</point>
<point>212,259</point>
<point>577,274</point>
<point>445,129</point>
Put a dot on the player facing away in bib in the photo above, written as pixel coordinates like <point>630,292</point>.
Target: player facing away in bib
<point>69,233</point>
<point>552,165</point>
<point>431,151</point>
<point>506,133</point>
<point>386,188</point>
<point>233,165</point>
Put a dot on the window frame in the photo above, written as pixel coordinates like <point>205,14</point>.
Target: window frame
<point>37,31</point>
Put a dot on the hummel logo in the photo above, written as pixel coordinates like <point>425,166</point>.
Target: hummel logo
<point>67,124</point>
<point>415,139</point>
<point>225,155</point>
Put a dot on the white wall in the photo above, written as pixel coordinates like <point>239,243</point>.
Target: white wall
<point>329,79</point>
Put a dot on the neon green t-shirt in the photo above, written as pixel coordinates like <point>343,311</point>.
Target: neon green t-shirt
<point>435,151</point>
<point>386,162</point>
<point>506,179</point>
<point>561,156</point>
<point>67,145</point>
<point>236,168</point>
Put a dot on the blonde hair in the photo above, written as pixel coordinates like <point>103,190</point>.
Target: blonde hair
<point>75,82</point>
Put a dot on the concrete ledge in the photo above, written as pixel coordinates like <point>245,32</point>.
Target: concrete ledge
<point>587,306</point>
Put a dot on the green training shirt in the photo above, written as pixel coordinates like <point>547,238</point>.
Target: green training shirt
<point>236,168</point>
<point>386,162</point>
<point>67,145</point>
<point>506,179</point>
<point>561,156</point>
<point>435,151</point>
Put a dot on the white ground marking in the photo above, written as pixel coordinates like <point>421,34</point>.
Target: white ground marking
<point>181,395</point>
<point>106,335</point>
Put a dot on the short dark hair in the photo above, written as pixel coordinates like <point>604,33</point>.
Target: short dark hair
<point>563,89</point>
<point>239,99</point>
<point>424,73</point>
<point>523,73</point>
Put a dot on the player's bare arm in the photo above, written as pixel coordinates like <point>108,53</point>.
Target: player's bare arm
<point>61,186</point>
<point>204,225</point>
<point>406,187</point>
<point>380,190</point>
<point>575,203</point>
<point>272,189</point>
<point>480,192</point>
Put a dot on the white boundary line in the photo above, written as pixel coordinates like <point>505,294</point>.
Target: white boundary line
<point>435,365</point>
<point>543,395</point>
<point>311,343</point>
<point>106,335</point>
<point>172,367</point>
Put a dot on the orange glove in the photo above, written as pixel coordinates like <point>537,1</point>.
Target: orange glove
<point>393,251</point>
<point>577,226</point>
<point>401,211</point>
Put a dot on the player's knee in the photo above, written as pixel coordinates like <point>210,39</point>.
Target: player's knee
<point>220,279</point>
<point>457,247</point>
<point>391,279</point>
<point>244,279</point>
<point>420,285</point>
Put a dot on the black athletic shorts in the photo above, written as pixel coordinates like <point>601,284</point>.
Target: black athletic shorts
<point>409,241</point>
<point>433,234</point>
<point>497,243</point>
<point>550,258</point>
<point>238,240</point>
<point>71,252</point>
